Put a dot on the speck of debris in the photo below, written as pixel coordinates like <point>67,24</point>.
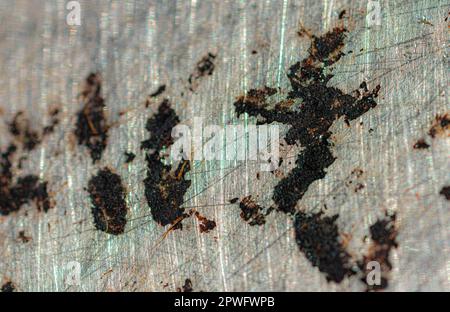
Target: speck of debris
<point>23,238</point>
<point>108,202</point>
<point>158,92</point>
<point>358,187</point>
<point>254,52</point>
<point>440,125</point>
<point>234,200</point>
<point>251,212</point>
<point>14,193</point>
<point>91,125</point>
<point>424,21</point>
<point>205,224</point>
<point>54,121</point>
<point>342,14</point>
<point>317,236</point>
<point>313,109</point>
<point>383,234</point>
<point>8,287</point>
<point>129,157</point>
<point>421,144</point>
<point>164,187</point>
<point>445,192</point>
<point>187,287</point>
<point>205,67</point>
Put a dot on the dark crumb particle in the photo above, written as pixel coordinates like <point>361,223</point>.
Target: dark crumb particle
<point>164,186</point>
<point>342,14</point>
<point>445,192</point>
<point>440,125</point>
<point>251,211</point>
<point>205,224</point>
<point>254,52</point>
<point>205,67</point>
<point>383,234</point>
<point>129,157</point>
<point>158,92</point>
<point>317,236</point>
<point>187,287</point>
<point>234,200</point>
<point>91,126</point>
<point>24,190</point>
<point>8,287</point>
<point>421,144</point>
<point>108,202</point>
<point>23,238</point>
<point>358,187</point>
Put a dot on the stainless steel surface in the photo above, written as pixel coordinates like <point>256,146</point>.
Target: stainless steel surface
<point>138,45</point>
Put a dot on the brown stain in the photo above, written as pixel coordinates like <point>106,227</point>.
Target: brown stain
<point>251,212</point>
<point>205,225</point>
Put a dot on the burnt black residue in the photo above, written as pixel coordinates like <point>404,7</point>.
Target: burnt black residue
<point>164,186</point>
<point>158,92</point>
<point>318,238</point>
<point>8,287</point>
<point>445,192</point>
<point>251,212</point>
<point>129,157</point>
<point>310,108</point>
<point>108,202</point>
<point>421,144</point>
<point>91,126</point>
<point>205,224</point>
<point>441,125</point>
<point>205,67</point>
<point>187,287</point>
<point>15,192</point>
<point>383,234</point>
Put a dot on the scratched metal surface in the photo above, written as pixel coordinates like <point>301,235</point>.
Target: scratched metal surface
<point>138,45</point>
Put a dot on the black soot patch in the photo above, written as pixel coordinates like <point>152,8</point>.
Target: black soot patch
<point>317,236</point>
<point>310,108</point>
<point>108,202</point>
<point>165,187</point>
<point>91,126</point>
